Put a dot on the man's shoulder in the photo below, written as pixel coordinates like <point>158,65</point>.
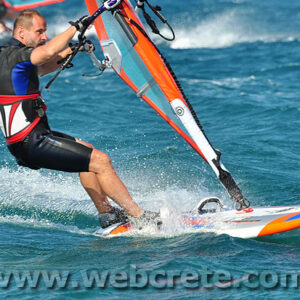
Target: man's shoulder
<point>15,44</point>
<point>16,50</point>
<point>12,42</point>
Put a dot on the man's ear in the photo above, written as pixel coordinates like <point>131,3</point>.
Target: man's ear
<point>21,32</point>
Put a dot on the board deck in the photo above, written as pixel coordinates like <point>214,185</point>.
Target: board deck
<point>256,222</point>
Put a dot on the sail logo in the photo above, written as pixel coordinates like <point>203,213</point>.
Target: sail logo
<point>179,111</point>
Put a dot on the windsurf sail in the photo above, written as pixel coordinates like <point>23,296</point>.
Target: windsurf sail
<point>136,59</point>
<point>25,4</point>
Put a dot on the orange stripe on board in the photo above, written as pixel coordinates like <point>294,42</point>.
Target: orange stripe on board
<point>121,229</point>
<point>279,225</point>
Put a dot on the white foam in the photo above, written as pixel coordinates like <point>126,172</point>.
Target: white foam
<point>49,191</point>
<point>53,190</point>
<point>224,30</point>
<point>61,24</point>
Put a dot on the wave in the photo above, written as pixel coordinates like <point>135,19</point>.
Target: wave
<point>217,30</point>
<point>226,29</point>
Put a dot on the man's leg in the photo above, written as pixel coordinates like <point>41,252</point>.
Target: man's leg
<point>90,183</point>
<point>111,184</point>
<point>103,181</point>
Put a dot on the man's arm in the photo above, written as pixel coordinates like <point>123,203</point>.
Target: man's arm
<point>52,65</point>
<point>45,53</point>
<point>55,63</point>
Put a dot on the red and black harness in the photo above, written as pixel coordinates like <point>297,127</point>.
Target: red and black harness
<point>9,104</point>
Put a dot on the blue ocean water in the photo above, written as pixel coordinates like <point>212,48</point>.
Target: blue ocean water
<point>239,63</point>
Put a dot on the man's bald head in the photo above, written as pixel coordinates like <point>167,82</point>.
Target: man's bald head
<point>30,28</point>
<point>25,19</point>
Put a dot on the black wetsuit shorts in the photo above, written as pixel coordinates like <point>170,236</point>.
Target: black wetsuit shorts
<point>44,148</point>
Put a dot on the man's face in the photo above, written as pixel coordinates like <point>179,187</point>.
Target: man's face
<point>36,35</point>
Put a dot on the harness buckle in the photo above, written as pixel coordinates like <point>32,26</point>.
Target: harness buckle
<point>38,106</point>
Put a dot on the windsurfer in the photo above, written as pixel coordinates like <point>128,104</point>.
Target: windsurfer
<point>25,126</point>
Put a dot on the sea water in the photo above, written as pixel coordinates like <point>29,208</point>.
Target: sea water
<point>239,64</point>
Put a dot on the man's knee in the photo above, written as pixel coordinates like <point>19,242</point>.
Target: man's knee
<point>99,160</point>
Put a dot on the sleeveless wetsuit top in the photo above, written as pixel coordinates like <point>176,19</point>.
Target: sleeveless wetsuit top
<point>21,107</point>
